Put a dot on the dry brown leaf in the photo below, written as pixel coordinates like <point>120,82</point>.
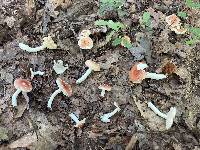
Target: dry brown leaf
<point>25,141</point>
<point>30,4</point>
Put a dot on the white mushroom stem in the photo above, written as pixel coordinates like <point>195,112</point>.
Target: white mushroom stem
<point>30,49</point>
<point>35,73</point>
<point>103,92</point>
<point>156,111</point>
<point>105,117</point>
<point>52,97</point>
<point>74,118</point>
<point>141,66</point>
<point>87,73</point>
<point>14,97</point>
<point>155,76</point>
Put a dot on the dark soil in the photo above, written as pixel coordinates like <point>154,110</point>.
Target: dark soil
<point>54,127</point>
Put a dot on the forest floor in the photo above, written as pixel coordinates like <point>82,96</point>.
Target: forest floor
<point>135,126</point>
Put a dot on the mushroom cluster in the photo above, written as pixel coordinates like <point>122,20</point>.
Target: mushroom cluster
<point>136,75</point>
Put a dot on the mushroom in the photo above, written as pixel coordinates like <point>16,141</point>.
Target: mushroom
<point>105,117</point>
<point>104,88</point>
<point>48,43</point>
<point>137,73</point>
<point>62,87</point>
<point>169,116</point>
<point>85,42</point>
<point>173,20</point>
<point>91,66</point>
<point>179,30</point>
<point>79,124</point>
<point>33,73</point>
<point>22,85</point>
<point>85,33</point>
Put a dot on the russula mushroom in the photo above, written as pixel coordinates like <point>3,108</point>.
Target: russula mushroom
<point>173,20</point>
<point>137,73</point>
<point>169,116</point>
<point>92,66</point>
<point>79,124</point>
<point>104,88</point>
<point>22,85</point>
<point>62,87</point>
<point>85,42</point>
<point>47,43</point>
<point>105,117</point>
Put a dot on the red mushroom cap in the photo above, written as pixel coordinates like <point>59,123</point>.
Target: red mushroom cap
<point>65,87</point>
<point>136,76</point>
<point>23,84</point>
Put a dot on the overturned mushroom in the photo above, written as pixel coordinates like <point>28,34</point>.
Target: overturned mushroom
<point>169,116</point>
<point>92,66</point>
<point>62,87</point>
<point>48,43</point>
<point>105,117</point>
<point>79,124</point>
<point>22,85</point>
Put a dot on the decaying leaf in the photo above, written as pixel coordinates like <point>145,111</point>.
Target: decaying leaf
<point>142,50</point>
<point>3,134</point>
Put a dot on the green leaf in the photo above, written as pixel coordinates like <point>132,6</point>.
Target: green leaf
<point>127,44</point>
<point>192,4</point>
<point>192,41</point>
<point>100,23</point>
<point>146,19</point>
<point>195,31</point>
<point>115,25</point>
<point>109,36</point>
<point>117,41</point>
<point>182,14</point>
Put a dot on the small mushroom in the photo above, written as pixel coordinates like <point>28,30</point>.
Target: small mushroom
<point>62,87</point>
<point>179,30</point>
<point>92,66</point>
<point>85,42</point>
<point>48,43</point>
<point>79,124</point>
<point>85,33</point>
<point>105,117</point>
<point>104,88</point>
<point>137,73</point>
<point>33,73</point>
<point>22,85</point>
<point>169,117</point>
<point>173,20</point>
